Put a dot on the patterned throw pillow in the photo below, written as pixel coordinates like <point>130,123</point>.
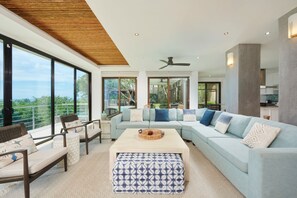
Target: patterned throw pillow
<point>189,115</point>
<point>74,124</point>
<point>136,115</point>
<point>24,142</point>
<point>223,123</point>
<point>260,136</point>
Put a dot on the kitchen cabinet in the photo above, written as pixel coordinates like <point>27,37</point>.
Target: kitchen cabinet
<point>270,111</point>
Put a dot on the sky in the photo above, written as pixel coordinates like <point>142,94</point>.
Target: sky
<point>31,76</point>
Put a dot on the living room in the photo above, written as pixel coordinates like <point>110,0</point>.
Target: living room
<point>101,59</point>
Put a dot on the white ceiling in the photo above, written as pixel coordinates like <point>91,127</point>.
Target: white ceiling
<point>186,29</point>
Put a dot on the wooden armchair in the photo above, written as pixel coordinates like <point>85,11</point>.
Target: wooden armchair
<point>87,134</point>
<point>23,169</point>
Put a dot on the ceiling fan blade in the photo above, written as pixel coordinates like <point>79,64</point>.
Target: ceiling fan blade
<point>181,64</point>
<point>163,67</point>
<point>164,61</point>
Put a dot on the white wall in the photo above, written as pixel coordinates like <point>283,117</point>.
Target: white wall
<point>96,94</point>
<point>194,90</point>
<point>142,89</point>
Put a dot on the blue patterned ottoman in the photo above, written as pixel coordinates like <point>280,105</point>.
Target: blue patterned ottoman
<point>148,173</point>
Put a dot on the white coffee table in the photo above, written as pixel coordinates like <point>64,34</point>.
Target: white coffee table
<point>130,142</point>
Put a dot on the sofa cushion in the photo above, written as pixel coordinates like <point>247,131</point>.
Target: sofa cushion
<point>125,125</point>
<point>179,114</point>
<point>189,125</point>
<point>36,161</point>
<point>152,114</point>
<point>161,115</point>
<point>287,138</point>
<point>126,115</point>
<point>215,117</point>
<point>207,117</point>
<point>146,114</point>
<point>136,115</point>
<point>170,125</point>
<point>172,115</point>
<point>238,124</point>
<point>189,115</point>
<point>200,113</point>
<point>233,150</point>
<point>205,132</point>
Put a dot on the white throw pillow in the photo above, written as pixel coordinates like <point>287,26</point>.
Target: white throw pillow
<point>260,136</point>
<point>74,124</point>
<point>189,115</point>
<point>223,123</point>
<point>136,115</point>
<point>23,142</point>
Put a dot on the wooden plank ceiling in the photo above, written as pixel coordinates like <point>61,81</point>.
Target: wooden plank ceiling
<point>73,23</point>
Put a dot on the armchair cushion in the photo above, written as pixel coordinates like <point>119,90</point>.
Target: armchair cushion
<point>91,132</point>
<point>36,162</point>
<point>23,142</point>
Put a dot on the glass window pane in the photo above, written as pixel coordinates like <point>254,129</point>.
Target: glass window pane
<point>158,92</point>
<point>31,91</point>
<point>128,96</point>
<point>178,92</point>
<point>82,94</point>
<point>1,82</point>
<point>111,95</point>
<point>64,92</point>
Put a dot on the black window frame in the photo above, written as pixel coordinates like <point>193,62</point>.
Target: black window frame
<point>216,106</point>
<point>7,78</point>
<point>119,90</point>
<point>169,93</point>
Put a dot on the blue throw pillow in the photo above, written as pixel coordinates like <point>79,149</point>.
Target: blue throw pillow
<point>161,115</point>
<point>207,117</point>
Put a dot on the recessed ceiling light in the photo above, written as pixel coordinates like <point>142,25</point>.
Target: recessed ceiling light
<point>226,33</point>
<point>267,33</point>
<point>136,34</point>
<point>197,57</point>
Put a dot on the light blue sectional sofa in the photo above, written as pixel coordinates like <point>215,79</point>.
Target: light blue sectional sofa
<point>256,173</point>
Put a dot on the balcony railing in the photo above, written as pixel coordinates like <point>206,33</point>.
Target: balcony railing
<point>38,116</point>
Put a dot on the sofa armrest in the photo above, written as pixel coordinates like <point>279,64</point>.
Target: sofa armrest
<point>114,122</point>
<point>272,172</point>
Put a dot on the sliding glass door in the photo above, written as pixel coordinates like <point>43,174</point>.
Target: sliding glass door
<point>169,92</point>
<point>209,95</point>
<point>1,84</point>
<point>36,88</point>
<point>31,90</point>
<point>118,94</point>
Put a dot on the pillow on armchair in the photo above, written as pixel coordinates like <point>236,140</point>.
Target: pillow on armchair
<point>161,115</point>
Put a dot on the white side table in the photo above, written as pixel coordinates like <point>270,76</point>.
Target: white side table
<point>72,142</point>
<point>105,125</point>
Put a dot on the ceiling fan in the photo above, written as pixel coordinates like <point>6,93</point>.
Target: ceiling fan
<point>170,63</point>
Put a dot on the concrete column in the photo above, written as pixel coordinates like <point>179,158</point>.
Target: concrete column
<point>242,80</point>
<point>287,72</point>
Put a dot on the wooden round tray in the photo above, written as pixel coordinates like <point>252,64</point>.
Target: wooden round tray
<point>150,134</point>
